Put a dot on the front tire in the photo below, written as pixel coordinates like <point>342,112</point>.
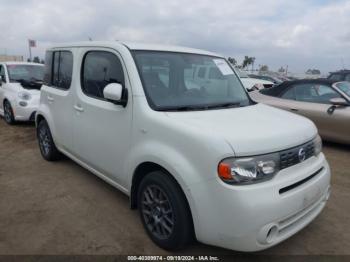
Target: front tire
<point>46,144</point>
<point>164,211</point>
<point>8,113</point>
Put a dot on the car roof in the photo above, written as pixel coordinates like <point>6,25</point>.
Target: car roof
<point>20,63</point>
<point>343,71</point>
<point>136,46</point>
<point>277,90</point>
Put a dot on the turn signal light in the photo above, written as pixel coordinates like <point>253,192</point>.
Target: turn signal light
<point>224,171</point>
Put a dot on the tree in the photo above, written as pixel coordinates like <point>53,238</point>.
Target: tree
<point>264,68</point>
<point>248,61</point>
<point>42,61</point>
<point>36,59</point>
<point>232,61</point>
<point>28,60</point>
<point>313,72</point>
<point>252,60</point>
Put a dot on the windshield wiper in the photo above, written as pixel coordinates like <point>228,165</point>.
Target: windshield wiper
<point>226,105</point>
<point>182,108</point>
<point>200,107</point>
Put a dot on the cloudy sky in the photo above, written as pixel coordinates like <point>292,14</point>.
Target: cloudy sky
<point>300,33</point>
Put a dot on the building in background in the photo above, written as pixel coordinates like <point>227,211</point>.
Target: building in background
<point>5,58</point>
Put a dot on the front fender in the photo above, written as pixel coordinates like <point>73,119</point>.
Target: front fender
<point>180,167</point>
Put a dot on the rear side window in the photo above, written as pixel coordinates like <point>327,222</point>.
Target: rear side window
<point>99,69</point>
<point>62,69</point>
<point>347,78</point>
<point>2,73</point>
<point>289,94</point>
<point>58,69</point>
<point>48,68</point>
<point>336,77</point>
<point>315,93</point>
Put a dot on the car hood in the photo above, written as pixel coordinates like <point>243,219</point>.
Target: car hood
<point>20,88</point>
<point>251,130</point>
<point>250,82</point>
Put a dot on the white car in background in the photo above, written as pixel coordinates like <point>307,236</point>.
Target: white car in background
<point>252,84</point>
<point>20,85</point>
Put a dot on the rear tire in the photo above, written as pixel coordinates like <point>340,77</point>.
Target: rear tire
<point>46,144</point>
<point>164,211</point>
<point>8,113</point>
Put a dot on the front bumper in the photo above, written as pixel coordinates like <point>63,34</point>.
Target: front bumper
<point>26,113</point>
<point>258,216</point>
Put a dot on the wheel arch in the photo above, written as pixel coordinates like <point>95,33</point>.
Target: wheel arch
<point>145,168</point>
<point>140,172</point>
<point>38,118</point>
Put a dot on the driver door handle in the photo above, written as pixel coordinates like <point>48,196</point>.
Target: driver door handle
<point>294,109</point>
<point>78,108</point>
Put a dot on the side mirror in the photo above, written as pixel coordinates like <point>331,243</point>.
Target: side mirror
<point>339,101</point>
<point>116,94</point>
<point>336,102</point>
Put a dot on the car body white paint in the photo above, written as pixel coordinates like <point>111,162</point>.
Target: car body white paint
<point>112,141</point>
<point>251,84</point>
<point>10,91</point>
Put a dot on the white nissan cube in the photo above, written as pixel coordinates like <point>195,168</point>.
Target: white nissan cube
<point>20,84</point>
<point>198,161</point>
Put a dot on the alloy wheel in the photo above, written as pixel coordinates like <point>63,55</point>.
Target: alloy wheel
<point>157,212</point>
<point>7,112</point>
<point>44,140</point>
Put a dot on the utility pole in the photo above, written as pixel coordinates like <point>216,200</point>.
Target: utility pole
<point>31,43</point>
<point>30,53</point>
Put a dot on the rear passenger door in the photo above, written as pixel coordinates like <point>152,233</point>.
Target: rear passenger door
<point>102,129</point>
<point>56,94</point>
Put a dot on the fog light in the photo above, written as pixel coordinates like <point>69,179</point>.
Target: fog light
<point>23,103</point>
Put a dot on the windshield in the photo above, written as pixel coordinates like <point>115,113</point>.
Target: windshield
<point>18,73</point>
<point>344,86</point>
<point>179,81</point>
<point>241,73</point>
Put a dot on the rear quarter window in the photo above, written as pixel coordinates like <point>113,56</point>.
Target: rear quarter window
<point>58,69</point>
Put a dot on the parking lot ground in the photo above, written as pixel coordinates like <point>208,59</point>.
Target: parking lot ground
<point>60,208</point>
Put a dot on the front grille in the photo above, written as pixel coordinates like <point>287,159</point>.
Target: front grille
<point>291,157</point>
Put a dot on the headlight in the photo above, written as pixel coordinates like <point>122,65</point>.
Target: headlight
<point>25,96</point>
<point>317,145</point>
<point>249,170</point>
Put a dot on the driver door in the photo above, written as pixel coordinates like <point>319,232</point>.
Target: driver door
<point>102,129</point>
<point>313,101</point>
